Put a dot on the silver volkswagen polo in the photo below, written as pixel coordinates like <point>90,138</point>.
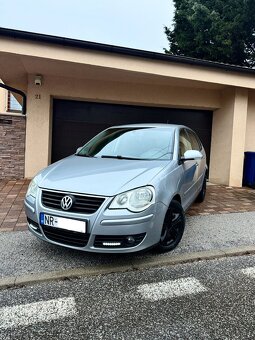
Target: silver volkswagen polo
<point>126,190</point>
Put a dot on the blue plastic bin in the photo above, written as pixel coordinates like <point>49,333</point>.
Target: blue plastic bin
<point>249,169</point>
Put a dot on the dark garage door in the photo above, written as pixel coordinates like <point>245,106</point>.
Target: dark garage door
<point>75,122</point>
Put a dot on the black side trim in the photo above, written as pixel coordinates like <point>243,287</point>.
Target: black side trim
<point>67,237</point>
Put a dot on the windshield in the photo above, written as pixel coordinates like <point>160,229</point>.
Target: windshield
<point>131,143</point>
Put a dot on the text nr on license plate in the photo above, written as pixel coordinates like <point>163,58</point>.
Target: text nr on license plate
<point>62,223</point>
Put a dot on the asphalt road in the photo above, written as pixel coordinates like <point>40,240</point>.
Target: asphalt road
<point>21,253</point>
<point>202,300</point>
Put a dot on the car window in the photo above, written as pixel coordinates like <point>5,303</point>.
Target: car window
<point>195,143</point>
<point>184,143</point>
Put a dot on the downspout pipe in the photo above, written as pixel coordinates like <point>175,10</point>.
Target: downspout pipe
<point>21,93</point>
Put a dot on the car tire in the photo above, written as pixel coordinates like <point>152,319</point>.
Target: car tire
<point>173,228</point>
<point>201,196</point>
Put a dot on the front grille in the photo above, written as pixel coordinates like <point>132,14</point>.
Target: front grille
<point>116,239</point>
<point>71,238</point>
<point>34,224</point>
<point>82,204</point>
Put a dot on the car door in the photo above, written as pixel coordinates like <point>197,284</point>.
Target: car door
<point>189,170</point>
<point>200,163</point>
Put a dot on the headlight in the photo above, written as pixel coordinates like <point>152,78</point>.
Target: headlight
<point>135,200</point>
<point>32,188</point>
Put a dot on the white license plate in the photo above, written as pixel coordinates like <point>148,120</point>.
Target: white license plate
<point>63,223</point>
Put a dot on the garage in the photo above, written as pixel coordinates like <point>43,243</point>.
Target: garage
<point>75,122</point>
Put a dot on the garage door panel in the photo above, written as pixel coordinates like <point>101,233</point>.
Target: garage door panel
<point>68,136</point>
<point>76,122</point>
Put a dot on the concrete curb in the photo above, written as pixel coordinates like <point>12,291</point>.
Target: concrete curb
<point>140,264</point>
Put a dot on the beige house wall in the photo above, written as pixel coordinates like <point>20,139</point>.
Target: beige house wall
<point>131,93</point>
<point>229,138</point>
<point>38,130</point>
<point>238,137</point>
<point>38,136</point>
<point>250,129</point>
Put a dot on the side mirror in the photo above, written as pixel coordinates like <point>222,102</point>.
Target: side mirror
<point>78,150</point>
<point>191,155</point>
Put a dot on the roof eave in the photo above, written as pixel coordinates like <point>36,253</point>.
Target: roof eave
<point>50,39</point>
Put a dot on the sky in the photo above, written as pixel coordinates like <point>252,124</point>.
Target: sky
<point>130,23</point>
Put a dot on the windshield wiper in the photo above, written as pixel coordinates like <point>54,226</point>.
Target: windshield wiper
<point>120,157</point>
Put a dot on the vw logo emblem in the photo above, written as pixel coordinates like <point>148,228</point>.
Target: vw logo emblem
<point>66,202</point>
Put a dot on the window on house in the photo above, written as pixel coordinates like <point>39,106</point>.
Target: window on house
<point>13,103</point>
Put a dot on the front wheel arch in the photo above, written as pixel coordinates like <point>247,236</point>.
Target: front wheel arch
<point>172,228</point>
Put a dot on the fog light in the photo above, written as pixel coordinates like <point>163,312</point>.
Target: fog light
<point>130,239</point>
<point>111,244</point>
<point>32,226</point>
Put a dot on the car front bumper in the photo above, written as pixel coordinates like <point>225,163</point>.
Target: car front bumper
<point>106,228</point>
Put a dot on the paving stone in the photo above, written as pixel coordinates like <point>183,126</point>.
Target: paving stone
<point>9,225</point>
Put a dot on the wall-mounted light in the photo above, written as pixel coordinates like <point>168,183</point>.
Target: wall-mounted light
<point>38,80</point>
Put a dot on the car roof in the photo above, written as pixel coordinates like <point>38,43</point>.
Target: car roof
<point>152,125</point>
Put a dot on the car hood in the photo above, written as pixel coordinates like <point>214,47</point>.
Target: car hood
<point>99,176</point>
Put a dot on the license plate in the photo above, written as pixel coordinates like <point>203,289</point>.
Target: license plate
<point>62,223</point>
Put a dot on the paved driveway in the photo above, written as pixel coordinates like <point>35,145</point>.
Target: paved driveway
<point>223,200</point>
<point>12,215</point>
<point>219,200</point>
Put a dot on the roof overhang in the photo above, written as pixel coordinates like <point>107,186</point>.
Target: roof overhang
<point>24,53</point>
